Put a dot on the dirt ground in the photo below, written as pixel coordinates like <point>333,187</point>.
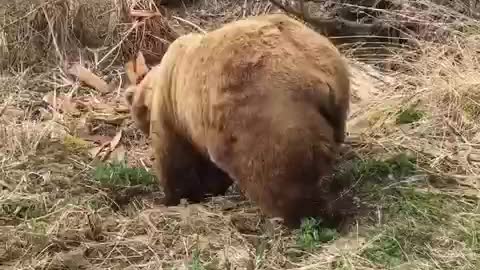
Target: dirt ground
<point>76,191</point>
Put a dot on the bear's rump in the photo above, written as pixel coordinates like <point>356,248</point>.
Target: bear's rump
<point>277,157</point>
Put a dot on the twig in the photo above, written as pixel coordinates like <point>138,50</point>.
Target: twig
<point>52,33</point>
<point>135,25</point>
<point>190,23</point>
<point>119,87</point>
<point>144,13</point>
<point>5,106</point>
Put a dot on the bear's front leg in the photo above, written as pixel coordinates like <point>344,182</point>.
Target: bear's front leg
<point>214,181</point>
<point>176,165</point>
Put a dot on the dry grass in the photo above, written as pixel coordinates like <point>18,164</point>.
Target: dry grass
<point>60,209</point>
<point>103,33</point>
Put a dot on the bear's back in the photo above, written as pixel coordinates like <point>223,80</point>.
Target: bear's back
<point>256,59</point>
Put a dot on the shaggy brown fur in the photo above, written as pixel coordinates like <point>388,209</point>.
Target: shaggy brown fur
<point>264,100</point>
<point>188,173</point>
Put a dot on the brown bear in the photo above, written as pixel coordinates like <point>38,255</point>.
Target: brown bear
<point>263,100</point>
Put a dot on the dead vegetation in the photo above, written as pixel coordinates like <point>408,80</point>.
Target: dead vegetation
<point>75,187</point>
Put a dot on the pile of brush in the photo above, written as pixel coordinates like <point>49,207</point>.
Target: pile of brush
<point>40,33</point>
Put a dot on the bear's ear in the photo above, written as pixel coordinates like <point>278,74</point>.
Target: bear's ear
<point>131,74</point>
<point>141,67</point>
<point>136,68</point>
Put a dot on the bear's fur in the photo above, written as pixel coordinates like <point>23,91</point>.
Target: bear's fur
<point>191,174</point>
<point>264,99</point>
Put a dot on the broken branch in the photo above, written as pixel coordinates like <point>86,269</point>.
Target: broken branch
<point>330,26</point>
<point>87,77</point>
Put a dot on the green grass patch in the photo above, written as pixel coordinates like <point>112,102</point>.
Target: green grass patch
<point>471,107</point>
<point>386,251</point>
<point>75,144</point>
<point>370,175</point>
<point>417,227</point>
<point>311,234</point>
<point>398,166</point>
<point>24,208</point>
<point>423,226</point>
<point>260,252</point>
<point>196,262</point>
<point>96,203</point>
<point>120,175</point>
<point>409,115</point>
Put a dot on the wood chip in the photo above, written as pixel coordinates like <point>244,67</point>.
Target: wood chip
<point>87,77</point>
<point>116,140</point>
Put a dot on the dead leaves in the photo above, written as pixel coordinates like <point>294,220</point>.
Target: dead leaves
<point>94,118</point>
<point>106,108</point>
<point>111,149</point>
<point>60,103</point>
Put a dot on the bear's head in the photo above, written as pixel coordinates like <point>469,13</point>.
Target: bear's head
<point>137,94</point>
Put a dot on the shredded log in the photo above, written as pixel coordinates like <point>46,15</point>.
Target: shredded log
<point>331,26</point>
